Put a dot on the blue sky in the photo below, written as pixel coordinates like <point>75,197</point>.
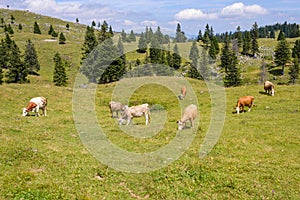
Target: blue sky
<point>193,15</point>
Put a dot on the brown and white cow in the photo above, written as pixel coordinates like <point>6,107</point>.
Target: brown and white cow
<point>135,111</point>
<point>34,105</point>
<point>189,114</point>
<point>269,87</point>
<point>244,101</point>
<point>182,93</point>
<point>116,107</point>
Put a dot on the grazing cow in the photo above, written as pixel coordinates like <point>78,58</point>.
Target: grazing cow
<point>34,105</point>
<point>135,111</point>
<point>189,114</point>
<point>116,107</point>
<point>182,93</point>
<point>244,101</point>
<point>269,87</point>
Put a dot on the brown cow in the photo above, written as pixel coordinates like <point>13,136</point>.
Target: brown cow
<point>182,93</point>
<point>244,101</point>
<point>269,87</point>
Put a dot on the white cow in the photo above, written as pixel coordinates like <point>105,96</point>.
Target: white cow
<point>269,87</point>
<point>135,111</point>
<point>34,105</point>
<point>116,107</point>
<point>189,114</point>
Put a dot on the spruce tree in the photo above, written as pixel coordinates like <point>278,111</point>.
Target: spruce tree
<point>124,36</point>
<point>246,43</point>
<point>296,49</point>
<point>254,37</point>
<point>180,36</point>
<point>17,71</point>
<point>194,54</point>
<point>115,67</point>
<point>155,51</point>
<point>36,28</point>
<point>142,45</point>
<point>30,58</point>
<point>282,53</point>
<point>294,71</point>
<point>176,58</point>
<point>132,37</point>
<point>229,62</point>
<point>59,74</point>
<point>62,39</point>
<point>90,42</point>
<point>281,36</point>
<point>20,27</point>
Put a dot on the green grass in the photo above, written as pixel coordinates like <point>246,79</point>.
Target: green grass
<point>256,157</point>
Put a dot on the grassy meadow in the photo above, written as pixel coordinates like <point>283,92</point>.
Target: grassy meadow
<point>257,155</point>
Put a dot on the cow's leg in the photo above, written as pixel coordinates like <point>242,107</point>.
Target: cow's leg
<point>250,107</point>
<point>147,118</point>
<point>44,111</point>
<point>129,121</point>
<point>192,122</point>
<point>37,111</point>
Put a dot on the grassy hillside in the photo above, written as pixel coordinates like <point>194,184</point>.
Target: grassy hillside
<point>256,157</point>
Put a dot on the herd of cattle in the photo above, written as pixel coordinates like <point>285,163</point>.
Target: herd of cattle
<point>128,113</point>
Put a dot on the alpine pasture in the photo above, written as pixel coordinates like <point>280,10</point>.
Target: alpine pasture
<point>256,157</point>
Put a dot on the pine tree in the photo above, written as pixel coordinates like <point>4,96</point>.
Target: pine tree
<point>17,71</point>
<point>10,30</point>
<point>68,27</point>
<point>294,71</point>
<point>142,45</point>
<point>212,52</point>
<point>199,37</point>
<point>254,37</point>
<point>229,62</point>
<point>116,68</point>
<point>180,36</point>
<point>51,30</point>
<point>59,74</point>
<point>239,36</point>
<point>62,39</point>
<point>30,58</point>
<point>296,49</point>
<point>281,36</point>
<point>104,64</point>
<point>272,33</point>
<point>132,37</point>
<point>282,53</point>
<point>12,19</point>
<point>159,36</point>
<point>20,27</point>
<point>36,28</point>
<point>194,54</point>
<point>206,36</point>
<point>103,34</point>
<point>155,51</point>
<point>124,36</point>
<point>176,58</point>
<point>90,42</point>
<point>246,43</point>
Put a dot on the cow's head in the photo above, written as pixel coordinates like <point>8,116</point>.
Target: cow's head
<point>25,113</point>
<point>181,124</point>
<point>272,91</point>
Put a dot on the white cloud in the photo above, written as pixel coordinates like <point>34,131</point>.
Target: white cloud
<point>239,9</point>
<point>129,23</point>
<point>174,22</point>
<point>194,14</point>
<point>149,23</point>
